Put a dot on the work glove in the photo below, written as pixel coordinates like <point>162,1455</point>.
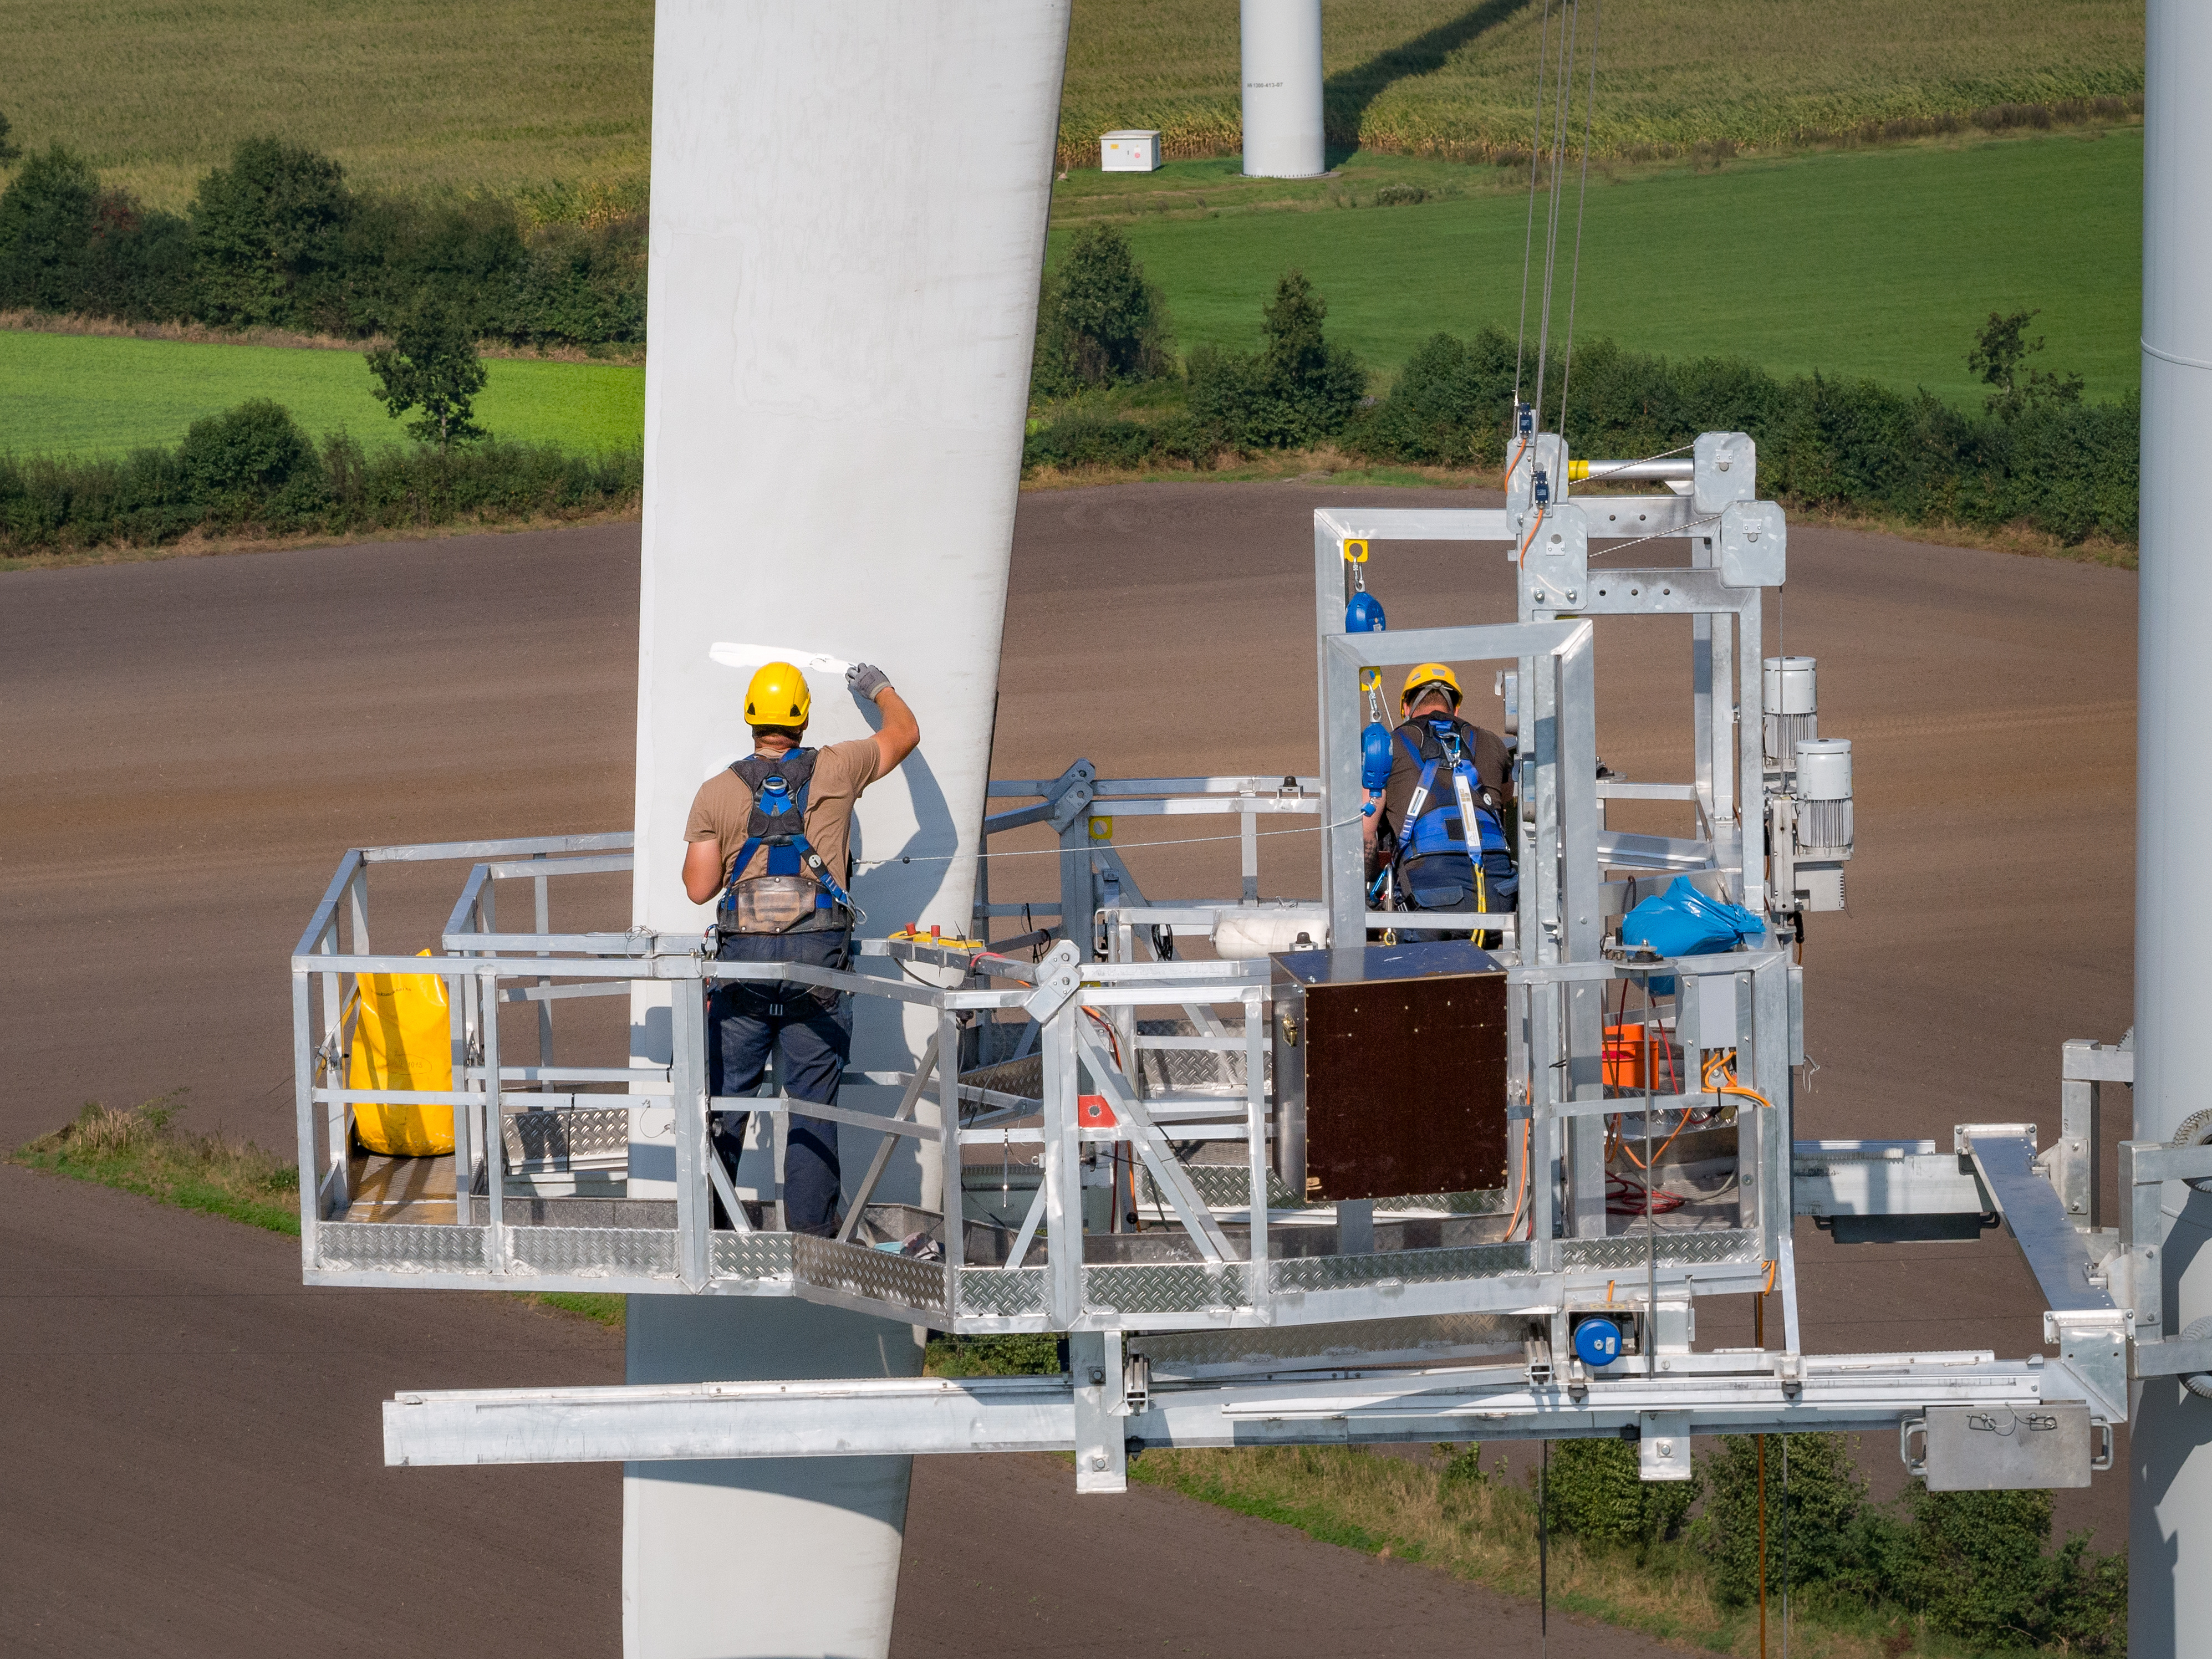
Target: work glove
<point>868,680</point>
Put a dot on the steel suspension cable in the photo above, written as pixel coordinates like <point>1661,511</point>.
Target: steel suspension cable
<point>1528,231</point>
<point>1563,105</point>
<point>1582,200</point>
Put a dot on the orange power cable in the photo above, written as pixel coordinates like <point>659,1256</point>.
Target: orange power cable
<point>1533,531</point>
<point>1520,1196</point>
<point>1729,1086</point>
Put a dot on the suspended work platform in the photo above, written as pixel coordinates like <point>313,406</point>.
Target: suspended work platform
<point>1278,1171</point>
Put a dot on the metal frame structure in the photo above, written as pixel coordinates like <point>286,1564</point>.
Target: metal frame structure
<point>1244,1314</point>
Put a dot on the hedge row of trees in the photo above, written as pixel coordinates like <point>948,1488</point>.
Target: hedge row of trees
<point>2037,453</point>
<point>279,239</point>
<point>1974,1566</point>
<point>254,468</point>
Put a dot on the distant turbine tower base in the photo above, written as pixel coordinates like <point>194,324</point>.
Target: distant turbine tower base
<point>1282,89</point>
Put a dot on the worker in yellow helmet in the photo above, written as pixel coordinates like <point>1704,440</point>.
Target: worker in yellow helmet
<point>772,835</point>
<point>1442,839</point>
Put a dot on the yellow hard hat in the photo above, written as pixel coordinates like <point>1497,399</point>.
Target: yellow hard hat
<point>778,697</point>
<point>1431,674</point>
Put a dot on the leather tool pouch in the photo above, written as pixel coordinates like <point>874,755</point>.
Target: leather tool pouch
<point>778,904</point>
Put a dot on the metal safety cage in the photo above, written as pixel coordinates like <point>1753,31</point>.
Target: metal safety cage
<point>492,1228</point>
<point>1096,892</point>
<point>1561,970</point>
<point>1111,1088</point>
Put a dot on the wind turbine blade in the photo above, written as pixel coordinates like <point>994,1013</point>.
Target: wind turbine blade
<point>730,655</point>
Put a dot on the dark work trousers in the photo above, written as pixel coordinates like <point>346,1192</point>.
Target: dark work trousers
<point>810,1030</point>
<point>1501,891</point>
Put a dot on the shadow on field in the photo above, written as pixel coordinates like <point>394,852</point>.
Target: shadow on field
<point>1347,94</point>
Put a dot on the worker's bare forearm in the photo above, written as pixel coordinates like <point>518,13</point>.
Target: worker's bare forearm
<point>702,870</point>
<point>901,731</point>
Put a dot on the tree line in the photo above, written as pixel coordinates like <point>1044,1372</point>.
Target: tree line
<point>254,469</point>
<point>2037,453</point>
<point>278,239</point>
<point>1978,1566</point>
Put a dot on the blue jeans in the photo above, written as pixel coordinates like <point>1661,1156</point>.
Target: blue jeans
<point>810,1030</point>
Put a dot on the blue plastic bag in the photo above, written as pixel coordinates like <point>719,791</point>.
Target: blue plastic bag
<point>1683,922</point>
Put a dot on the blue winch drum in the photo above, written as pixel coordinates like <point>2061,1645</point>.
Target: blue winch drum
<point>1597,1341</point>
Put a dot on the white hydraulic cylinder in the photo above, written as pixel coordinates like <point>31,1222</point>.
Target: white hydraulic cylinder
<point>837,379</point>
<point>1281,52</point>
<point>2170,1462</point>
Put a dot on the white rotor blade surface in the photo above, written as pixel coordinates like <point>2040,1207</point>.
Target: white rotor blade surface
<point>751,656</point>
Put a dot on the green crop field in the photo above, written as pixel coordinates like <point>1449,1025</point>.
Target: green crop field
<point>1446,77</point>
<point>82,395</point>
<point>513,96</point>
<point>411,95</point>
<point>1879,262</point>
<point>1875,260</point>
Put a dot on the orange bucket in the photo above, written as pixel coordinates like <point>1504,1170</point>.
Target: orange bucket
<point>1624,1061</point>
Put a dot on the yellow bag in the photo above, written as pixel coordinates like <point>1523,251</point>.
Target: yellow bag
<point>403,1040</point>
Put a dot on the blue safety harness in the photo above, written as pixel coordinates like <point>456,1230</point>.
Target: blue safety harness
<point>1449,824</point>
<point>778,822</point>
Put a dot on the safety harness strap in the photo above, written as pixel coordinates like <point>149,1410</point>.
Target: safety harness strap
<point>1435,748</point>
<point>820,872</point>
<point>774,802</point>
<point>1417,805</point>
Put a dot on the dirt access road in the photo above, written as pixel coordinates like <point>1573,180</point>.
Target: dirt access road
<point>185,747</point>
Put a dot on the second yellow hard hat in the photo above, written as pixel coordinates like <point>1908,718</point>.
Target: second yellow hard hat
<point>778,697</point>
<point>1432,673</point>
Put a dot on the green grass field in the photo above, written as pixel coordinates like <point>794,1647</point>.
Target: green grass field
<point>507,95</point>
<point>1878,262</point>
<point>82,395</point>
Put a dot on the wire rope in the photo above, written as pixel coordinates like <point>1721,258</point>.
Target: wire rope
<point>1661,536</point>
<point>1562,104</point>
<point>1528,231</point>
<point>1582,201</point>
<point>1785,1547</point>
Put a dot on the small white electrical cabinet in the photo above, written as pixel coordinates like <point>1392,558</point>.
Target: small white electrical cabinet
<point>1130,151</point>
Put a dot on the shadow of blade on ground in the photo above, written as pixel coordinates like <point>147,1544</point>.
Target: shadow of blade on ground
<point>1348,95</point>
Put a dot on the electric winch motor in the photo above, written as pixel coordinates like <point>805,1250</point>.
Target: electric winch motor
<point>1790,700</point>
<point>1824,799</point>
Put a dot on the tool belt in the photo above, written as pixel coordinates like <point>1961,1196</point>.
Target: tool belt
<point>778,999</point>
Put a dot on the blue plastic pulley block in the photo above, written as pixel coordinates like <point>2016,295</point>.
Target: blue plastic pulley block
<point>1597,1341</point>
<point>1363,615</point>
<point>1375,756</point>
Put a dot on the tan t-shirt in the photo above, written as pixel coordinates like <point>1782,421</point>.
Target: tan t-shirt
<point>841,771</point>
